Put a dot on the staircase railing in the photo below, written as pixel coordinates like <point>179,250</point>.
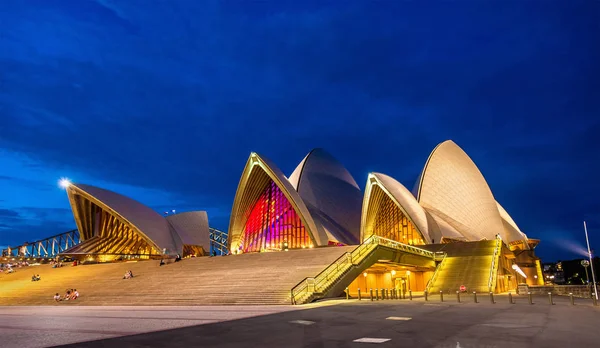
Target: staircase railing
<point>322,281</point>
<point>435,273</point>
<point>494,267</point>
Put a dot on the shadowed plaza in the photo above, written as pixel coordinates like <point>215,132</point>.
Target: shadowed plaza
<point>336,323</point>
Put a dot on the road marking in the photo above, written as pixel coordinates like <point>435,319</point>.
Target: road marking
<point>432,304</point>
<point>302,322</point>
<point>371,340</point>
<point>398,318</point>
<point>506,325</point>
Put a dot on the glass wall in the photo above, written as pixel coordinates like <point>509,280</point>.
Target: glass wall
<point>390,222</point>
<point>273,224</point>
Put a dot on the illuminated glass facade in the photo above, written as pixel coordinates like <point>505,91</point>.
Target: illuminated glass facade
<point>391,223</point>
<point>272,223</point>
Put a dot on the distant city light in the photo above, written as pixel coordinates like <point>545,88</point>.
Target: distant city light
<point>64,183</point>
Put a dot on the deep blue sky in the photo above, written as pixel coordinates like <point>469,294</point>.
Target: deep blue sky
<point>164,100</point>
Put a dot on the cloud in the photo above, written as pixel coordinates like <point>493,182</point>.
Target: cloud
<point>7,213</point>
<point>172,97</point>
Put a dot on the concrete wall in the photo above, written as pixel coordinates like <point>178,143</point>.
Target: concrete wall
<point>582,291</point>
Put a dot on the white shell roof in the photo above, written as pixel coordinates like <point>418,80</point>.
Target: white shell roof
<point>192,228</point>
<point>452,186</point>
<point>332,195</point>
<point>144,218</point>
<point>407,202</point>
<point>513,232</point>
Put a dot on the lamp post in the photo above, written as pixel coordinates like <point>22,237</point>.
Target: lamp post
<point>586,264</point>
<point>591,261</point>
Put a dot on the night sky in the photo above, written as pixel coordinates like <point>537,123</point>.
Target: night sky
<point>164,100</point>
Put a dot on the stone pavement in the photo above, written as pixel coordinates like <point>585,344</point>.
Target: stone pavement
<point>395,323</point>
<point>44,326</point>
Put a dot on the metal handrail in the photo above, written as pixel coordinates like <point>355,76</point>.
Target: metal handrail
<point>435,274</point>
<point>342,264</point>
<point>494,263</point>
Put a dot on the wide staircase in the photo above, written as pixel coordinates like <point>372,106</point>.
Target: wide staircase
<point>466,263</point>
<point>257,278</point>
<point>332,281</point>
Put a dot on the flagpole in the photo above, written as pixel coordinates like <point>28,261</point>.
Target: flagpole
<point>591,261</point>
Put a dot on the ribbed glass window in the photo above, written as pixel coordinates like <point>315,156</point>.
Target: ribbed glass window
<point>273,223</point>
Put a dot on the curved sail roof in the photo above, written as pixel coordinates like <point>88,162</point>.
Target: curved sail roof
<point>257,173</point>
<point>143,219</point>
<point>452,186</point>
<point>331,193</point>
<point>513,233</point>
<point>403,199</point>
<point>192,227</point>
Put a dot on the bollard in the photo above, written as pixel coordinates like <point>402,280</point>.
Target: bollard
<point>371,294</point>
<point>475,297</point>
<point>492,298</point>
<point>387,294</point>
<point>595,300</point>
<point>572,299</point>
<point>530,297</point>
<point>510,300</point>
<point>458,296</point>
<point>347,294</point>
<point>395,293</point>
<point>425,293</point>
<point>550,298</point>
<point>410,294</point>
<point>403,294</point>
<point>441,296</point>
<point>376,294</point>
<point>359,294</point>
<point>382,294</point>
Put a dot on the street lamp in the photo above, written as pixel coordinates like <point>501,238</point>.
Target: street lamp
<point>64,183</point>
<point>591,261</point>
<point>586,264</point>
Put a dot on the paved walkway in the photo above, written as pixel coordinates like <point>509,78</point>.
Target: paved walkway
<point>44,326</point>
<point>396,323</point>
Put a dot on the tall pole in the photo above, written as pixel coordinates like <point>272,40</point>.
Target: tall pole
<point>591,261</point>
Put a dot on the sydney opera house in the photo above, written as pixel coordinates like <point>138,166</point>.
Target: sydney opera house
<point>449,233</point>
